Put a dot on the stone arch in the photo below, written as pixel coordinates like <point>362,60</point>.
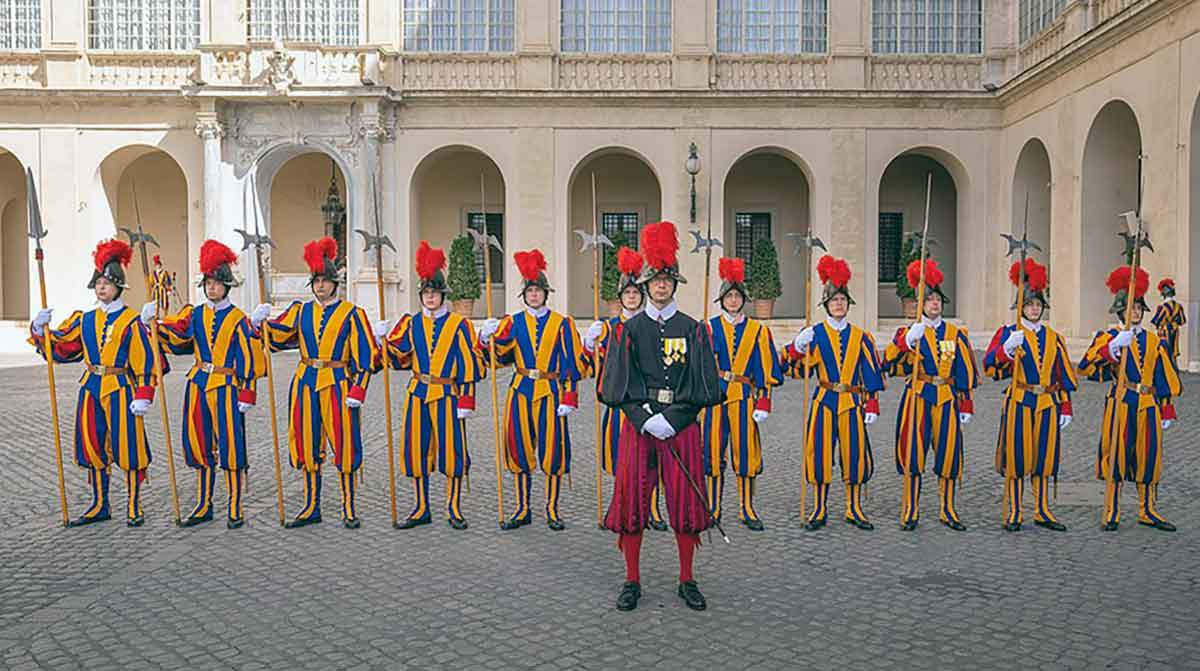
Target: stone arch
<point>14,242</point>
<point>1190,293</point>
<point>1032,180</point>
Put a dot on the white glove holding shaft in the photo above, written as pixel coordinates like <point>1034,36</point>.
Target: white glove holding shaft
<point>659,427</point>
<point>870,418</point>
<point>244,406</point>
<point>564,410</point>
<point>1064,421</point>
<point>260,314</point>
<point>1166,424</point>
<point>139,407</point>
<point>381,328</point>
<point>760,415</point>
<point>1119,342</point>
<point>803,340</point>
<point>38,326</point>
<point>463,413</point>
<point>353,403</point>
<point>593,334</point>
<point>964,418</point>
<point>1013,341</point>
<point>914,334</point>
<point>488,329</point>
<point>149,312</point>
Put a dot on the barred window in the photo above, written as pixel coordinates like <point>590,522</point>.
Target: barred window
<point>772,26</point>
<point>334,22</point>
<point>458,25</point>
<point>20,24</point>
<point>749,228</point>
<point>1037,15</point>
<point>623,223</point>
<point>927,26</point>
<point>144,25</point>
<point>891,239</point>
<point>616,26</point>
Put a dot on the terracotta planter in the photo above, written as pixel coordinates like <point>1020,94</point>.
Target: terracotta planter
<point>464,307</point>
<point>909,306</point>
<point>610,308</point>
<point>763,309</point>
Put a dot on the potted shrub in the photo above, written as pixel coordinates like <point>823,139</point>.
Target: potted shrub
<point>463,276</point>
<point>611,304</point>
<point>763,282</point>
<point>910,250</point>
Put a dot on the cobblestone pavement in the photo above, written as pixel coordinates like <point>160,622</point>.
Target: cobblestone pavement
<point>326,597</point>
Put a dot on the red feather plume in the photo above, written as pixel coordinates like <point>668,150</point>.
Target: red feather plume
<point>660,243</point>
<point>1035,274</point>
<point>531,263</point>
<point>933,274</point>
<point>213,255</point>
<point>112,250</point>
<point>629,262</point>
<point>1165,282</point>
<point>316,251</point>
<point>157,260</point>
<point>832,270</point>
<point>429,260</point>
<point>732,270</point>
<point>1118,281</point>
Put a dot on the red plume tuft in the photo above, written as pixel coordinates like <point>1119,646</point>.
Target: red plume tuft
<point>157,260</point>
<point>933,274</point>
<point>1036,276</point>
<point>660,243</point>
<point>213,255</point>
<point>629,262</point>
<point>531,264</point>
<point>833,270</point>
<point>1118,281</point>
<point>429,260</point>
<point>1164,283</point>
<point>112,250</point>
<point>317,251</point>
<point>732,270</point>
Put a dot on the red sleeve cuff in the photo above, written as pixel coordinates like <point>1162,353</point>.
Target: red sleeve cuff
<point>466,402</point>
<point>793,354</point>
<point>871,406</point>
<point>247,396</point>
<point>966,405</point>
<point>764,403</point>
<point>900,341</point>
<point>1168,411</point>
<point>570,398</point>
<point>1064,408</point>
<point>144,394</point>
<point>1002,356</point>
<point>1106,353</point>
<point>357,393</point>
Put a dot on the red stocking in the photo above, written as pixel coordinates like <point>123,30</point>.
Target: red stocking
<point>631,545</point>
<point>687,549</point>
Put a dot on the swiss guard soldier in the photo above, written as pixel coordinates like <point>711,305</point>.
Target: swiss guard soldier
<point>544,349</point>
<point>601,335</point>
<point>438,346</point>
<point>161,285</point>
<point>116,389</point>
<point>337,351</point>
<point>845,402</point>
<point>661,373</point>
<point>748,365</point>
<point>939,405</point>
<point>221,384</point>
<point>1135,416</point>
<point>1037,405</point>
<point>1169,317</point>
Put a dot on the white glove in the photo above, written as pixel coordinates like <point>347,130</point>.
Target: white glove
<point>760,415</point>
<point>244,406</point>
<point>488,329</point>
<point>659,427</point>
<point>382,327</point>
<point>149,312</point>
<point>353,402</point>
<point>463,413</point>
<point>564,410</point>
<point>870,418</point>
<point>41,320</point>
<point>803,340</point>
<point>1013,341</point>
<point>1119,342</point>
<point>260,314</point>
<point>914,334</point>
<point>1064,421</point>
<point>139,407</point>
<point>964,418</point>
<point>1166,424</point>
<point>593,334</point>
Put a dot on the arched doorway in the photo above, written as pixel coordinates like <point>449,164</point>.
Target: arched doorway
<point>1192,297</point>
<point>14,241</point>
<point>1110,187</point>
<point>628,197</point>
<point>1031,198</point>
<point>767,197</point>
<point>445,200</point>
<point>902,192</point>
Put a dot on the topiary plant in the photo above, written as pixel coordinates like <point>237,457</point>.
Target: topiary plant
<point>611,276</point>
<point>463,275</point>
<point>763,282</point>
<point>910,250</point>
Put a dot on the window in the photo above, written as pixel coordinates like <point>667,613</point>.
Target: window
<point>749,228</point>
<point>144,25</point>
<point>334,22</point>
<point>771,26</point>
<point>891,238</point>
<point>616,26</point>
<point>927,26</point>
<point>623,223</point>
<point>495,226</point>
<point>20,24</point>
<point>1037,15</point>
<point>458,25</point>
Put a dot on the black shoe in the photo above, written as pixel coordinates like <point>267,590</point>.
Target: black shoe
<point>813,525</point>
<point>457,523</point>
<point>411,522</point>
<point>351,522</point>
<point>235,523</point>
<point>1011,526</point>
<point>690,593</point>
<point>1109,526</point>
<point>135,521</point>
<point>1051,525</point>
<point>657,525</point>
<point>556,525</point>
<point>910,525</point>
<point>302,522</point>
<point>861,524</point>
<point>956,525</point>
<point>753,524</point>
<point>85,520</point>
<point>628,598</point>
<point>193,519</point>
<point>1161,525</point>
<point>514,523</point>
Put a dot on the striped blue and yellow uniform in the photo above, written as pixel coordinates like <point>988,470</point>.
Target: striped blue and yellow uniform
<point>1169,317</point>
<point>547,354</point>
<point>1131,434</point>
<point>228,360</point>
<point>945,383</point>
<point>1030,442</point>
<point>118,367</point>
<point>337,354</point>
<point>440,351</point>
<point>849,379</point>
<point>749,366</point>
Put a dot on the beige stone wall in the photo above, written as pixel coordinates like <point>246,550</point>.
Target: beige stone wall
<point>297,192</point>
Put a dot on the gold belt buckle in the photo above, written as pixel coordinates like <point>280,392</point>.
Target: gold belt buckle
<point>317,363</point>
<point>727,375</point>
<point>665,396</point>
<point>97,369</point>
<point>206,366</point>
<point>533,374</point>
